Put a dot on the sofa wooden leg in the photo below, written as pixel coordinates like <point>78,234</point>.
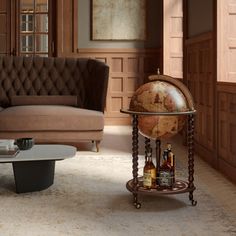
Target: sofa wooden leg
<point>97,145</point>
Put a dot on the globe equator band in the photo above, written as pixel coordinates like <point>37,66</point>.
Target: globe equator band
<point>126,111</point>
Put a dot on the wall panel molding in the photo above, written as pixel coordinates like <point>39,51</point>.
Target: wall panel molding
<point>215,103</point>
<point>200,79</point>
<point>129,68</point>
<point>226,107</point>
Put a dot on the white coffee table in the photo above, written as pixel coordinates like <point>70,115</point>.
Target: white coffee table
<point>34,169</point>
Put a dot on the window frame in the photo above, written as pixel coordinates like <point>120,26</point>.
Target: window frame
<point>51,30</point>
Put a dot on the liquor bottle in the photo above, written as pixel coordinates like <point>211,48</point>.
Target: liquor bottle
<point>165,172</point>
<point>149,172</point>
<point>171,160</point>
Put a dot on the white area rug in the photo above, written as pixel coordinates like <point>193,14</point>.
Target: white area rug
<point>89,198</point>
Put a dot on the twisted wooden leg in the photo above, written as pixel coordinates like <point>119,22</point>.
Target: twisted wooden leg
<point>158,154</point>
<point>147,146</point>
<point>191,158</point>
<point>135,161</point>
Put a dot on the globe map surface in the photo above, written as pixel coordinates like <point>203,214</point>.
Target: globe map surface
<point>159,96</point>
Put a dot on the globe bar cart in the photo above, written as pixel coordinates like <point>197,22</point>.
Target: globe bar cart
<point>135,185</point>
<point>159,110</point>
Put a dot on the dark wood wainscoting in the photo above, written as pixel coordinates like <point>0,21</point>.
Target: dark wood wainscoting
<point>201,80</point>
<point>227,129</point>
<point>129,68</point>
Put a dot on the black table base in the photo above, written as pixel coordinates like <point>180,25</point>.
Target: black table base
<point>33,176</point>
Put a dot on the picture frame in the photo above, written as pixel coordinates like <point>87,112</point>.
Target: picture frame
<point>118,20</point>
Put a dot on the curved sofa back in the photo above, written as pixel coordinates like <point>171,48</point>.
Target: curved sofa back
<point>34,76</point>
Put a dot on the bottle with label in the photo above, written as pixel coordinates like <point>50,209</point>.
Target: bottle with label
<point>149,172</point>
<point>165,178</point>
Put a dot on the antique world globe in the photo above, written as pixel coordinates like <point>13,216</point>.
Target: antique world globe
<point>162,94</point>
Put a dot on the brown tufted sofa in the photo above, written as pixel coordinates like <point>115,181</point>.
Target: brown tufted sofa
<point>54,100</point>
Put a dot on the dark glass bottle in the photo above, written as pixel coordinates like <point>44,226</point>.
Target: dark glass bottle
<point>165,173</point>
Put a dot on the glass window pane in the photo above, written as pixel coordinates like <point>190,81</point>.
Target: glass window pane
<point>27,23</point>
<point>41,5</point>
<point>34,27</point>
<point>41,43</point>
<point>27,43</point>
<point>41,23</point>
<point>27,5</point>
<point>23,22</point>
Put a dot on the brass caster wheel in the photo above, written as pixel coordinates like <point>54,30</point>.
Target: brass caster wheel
<point>194,203</point>
<point>138,205</point>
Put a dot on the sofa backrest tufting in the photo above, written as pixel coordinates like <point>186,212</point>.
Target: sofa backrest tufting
<point>35,76</point>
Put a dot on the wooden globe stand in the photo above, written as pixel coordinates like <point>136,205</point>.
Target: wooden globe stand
<point>135,185</point>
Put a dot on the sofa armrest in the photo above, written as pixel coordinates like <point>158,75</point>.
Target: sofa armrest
<point>96,85</point>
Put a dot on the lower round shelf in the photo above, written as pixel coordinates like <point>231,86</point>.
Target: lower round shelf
<point>180,186</point>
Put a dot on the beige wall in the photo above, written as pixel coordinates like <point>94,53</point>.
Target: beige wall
<point>154,24</point>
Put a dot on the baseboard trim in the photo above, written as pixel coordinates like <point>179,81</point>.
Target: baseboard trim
<point>228,170</point>
<point>206,154</point>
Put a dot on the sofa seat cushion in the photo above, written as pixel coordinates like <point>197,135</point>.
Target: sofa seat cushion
<point>50,118</point>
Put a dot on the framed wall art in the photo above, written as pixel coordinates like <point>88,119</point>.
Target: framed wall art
<point>118,19</point>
